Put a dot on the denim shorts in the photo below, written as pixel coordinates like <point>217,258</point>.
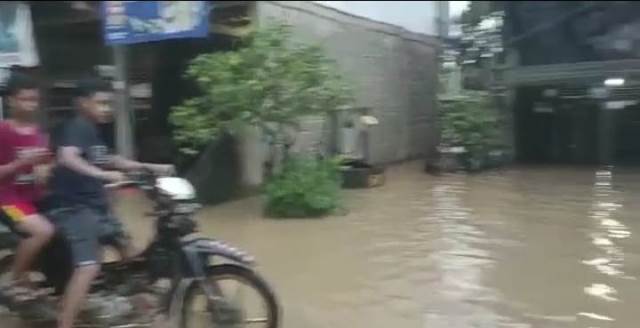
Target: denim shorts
<point>86,229</point>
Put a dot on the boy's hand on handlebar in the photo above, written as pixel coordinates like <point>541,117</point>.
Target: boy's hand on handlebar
<point>113,176</point>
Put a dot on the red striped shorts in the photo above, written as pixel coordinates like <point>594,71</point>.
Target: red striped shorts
<point>12,214</point>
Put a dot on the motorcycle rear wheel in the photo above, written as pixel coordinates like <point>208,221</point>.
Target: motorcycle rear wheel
<point>195,298</point>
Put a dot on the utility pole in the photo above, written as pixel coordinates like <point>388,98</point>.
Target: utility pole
<point>123,112</point>
<point>442,19</point>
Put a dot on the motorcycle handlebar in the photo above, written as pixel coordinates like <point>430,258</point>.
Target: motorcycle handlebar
<point>134,179</point>
<point>122,184</point>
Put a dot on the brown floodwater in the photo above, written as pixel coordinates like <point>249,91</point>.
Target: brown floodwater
<point>520,247</point>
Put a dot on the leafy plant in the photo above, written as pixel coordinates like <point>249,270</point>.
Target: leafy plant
<point>269,82</point>
<point>305,188</point>
<point>471,121</point>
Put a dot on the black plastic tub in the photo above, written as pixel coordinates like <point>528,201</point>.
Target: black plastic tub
<point>357,175</point>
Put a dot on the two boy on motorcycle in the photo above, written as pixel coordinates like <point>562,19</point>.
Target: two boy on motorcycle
<point>83,165</point>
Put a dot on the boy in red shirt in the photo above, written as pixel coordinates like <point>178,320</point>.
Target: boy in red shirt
<point>23,151</point>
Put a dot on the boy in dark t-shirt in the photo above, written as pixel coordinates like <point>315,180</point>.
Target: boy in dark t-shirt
<point>84,165</point>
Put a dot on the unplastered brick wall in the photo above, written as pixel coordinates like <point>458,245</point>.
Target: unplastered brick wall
<point>393,71</point>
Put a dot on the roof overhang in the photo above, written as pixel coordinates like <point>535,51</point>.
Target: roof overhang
<point>571,73</point>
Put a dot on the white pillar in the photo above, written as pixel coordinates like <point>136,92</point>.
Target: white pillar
<point>252,156</point>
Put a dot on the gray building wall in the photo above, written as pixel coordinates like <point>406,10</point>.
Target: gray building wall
<point>394,73</point>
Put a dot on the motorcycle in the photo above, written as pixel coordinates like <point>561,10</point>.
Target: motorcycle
<point>177,269</point>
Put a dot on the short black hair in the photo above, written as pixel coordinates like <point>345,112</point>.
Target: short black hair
<point>90,86</point>
<point>20,81</point>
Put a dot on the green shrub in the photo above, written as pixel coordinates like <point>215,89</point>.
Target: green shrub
<point>304,188</point>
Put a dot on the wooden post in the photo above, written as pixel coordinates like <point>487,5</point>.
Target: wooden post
<point>123,112</point>
<point>4,76</point>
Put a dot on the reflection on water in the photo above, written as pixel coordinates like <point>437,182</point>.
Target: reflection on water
<point>606,235</point>
<point>459,298</point>
<point>523,247</point>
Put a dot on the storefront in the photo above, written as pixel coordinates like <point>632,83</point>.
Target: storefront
<point>577,113</point>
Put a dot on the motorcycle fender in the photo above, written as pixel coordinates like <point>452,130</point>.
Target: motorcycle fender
<point>210,247</point>
<point>177,302</point>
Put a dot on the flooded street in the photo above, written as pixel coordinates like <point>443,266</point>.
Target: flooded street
<point>231,92</point>
<point>526,247</point>
<point>522,247</point>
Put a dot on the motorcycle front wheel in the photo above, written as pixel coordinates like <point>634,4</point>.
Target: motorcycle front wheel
<point>246,301</point>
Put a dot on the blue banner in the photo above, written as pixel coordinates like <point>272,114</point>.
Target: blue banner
<point>128,22</point>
